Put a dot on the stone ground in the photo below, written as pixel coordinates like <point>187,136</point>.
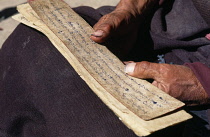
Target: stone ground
<point>8,8</point>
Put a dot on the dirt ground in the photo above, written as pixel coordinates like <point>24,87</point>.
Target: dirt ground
<point>8,8</point>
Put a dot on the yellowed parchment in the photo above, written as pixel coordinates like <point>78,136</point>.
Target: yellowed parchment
<point>133,119</point>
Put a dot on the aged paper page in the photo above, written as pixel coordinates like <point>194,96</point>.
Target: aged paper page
<point>139,96</point>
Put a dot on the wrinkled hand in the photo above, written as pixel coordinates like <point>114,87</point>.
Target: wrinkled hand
<point>116,23</point>
<point>176,80</point>
<point>122,24</point>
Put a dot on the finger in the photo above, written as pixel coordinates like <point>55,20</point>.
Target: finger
<point>155,83</point>
<point>107,26</point>
<point>102,34</point>
<point>144,69</point>
<point>160,86</point>
<point>102,29</point>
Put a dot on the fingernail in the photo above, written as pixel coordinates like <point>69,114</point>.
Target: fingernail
<point>98,33</point>
<point>129,68</point>
<point>208,36</point>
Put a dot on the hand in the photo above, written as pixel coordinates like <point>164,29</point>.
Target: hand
<point>122,25</point>
<point>176,80</point>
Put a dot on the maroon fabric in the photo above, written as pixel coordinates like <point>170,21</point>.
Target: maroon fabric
<point>179,35</point>
<point>202,72</point>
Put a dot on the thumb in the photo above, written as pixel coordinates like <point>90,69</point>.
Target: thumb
<point>144,69</point>
<point>108,25</point>
<point>102,29</point>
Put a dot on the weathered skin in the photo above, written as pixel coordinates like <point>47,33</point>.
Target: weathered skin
<point>177,80</point>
